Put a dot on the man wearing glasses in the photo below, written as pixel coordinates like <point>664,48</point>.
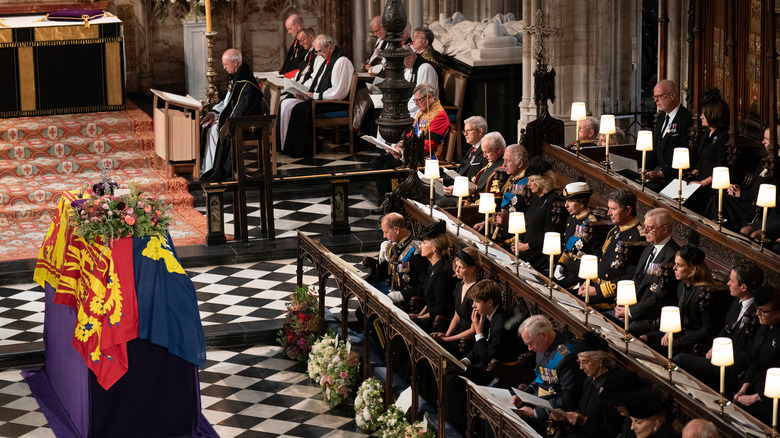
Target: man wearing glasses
<point>764,355</point>
<point>376,64</point>
<point>306,38</point>
<point>671,131</point>
<point>652,291</point>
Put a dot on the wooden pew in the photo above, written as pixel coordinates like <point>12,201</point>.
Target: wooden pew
<point>421,347</point>
<point>723,249</point>
<point>641,359</point>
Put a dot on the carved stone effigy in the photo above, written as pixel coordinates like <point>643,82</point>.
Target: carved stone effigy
<point>498,41</point>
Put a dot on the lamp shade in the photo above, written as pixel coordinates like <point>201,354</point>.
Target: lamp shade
<point>681,159</point>
<point>722,352</point>
<point>431,169</point>
<point>607,124</point>
<point>720,178</point>
<point>461,187</point>
<point>644,141</point>
<point>766,195</point>
<point>578,112</point>
<point>626,293</point>
<point>772,384</point>
<point>516,222</point>
<point>589,267</point>
<point>487,203</point>
<point>670,319</point>
<point>552,243</point>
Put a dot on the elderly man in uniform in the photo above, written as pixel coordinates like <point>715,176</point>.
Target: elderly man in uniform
<point>243,98</point>
<point>558,376</point>
<point>622,211</point>
<point>577,196</point>
<point>306,40</point>
<point>588,135</point>
<point>493,146</point>
<point>375,65</point>
<point>296,52</point>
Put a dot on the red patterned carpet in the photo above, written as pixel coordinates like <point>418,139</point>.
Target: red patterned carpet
<point>40,157</point>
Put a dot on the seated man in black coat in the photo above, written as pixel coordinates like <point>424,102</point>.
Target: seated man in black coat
<point>243,98</point>
<point>492,339</point>
<point>740,327</point>
<point>652,291</point>
<point>765,354</point>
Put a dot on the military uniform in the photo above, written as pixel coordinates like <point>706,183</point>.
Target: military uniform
<point>610,271</point>
<point>401,262</point>
<point>573,247</point>
<point>558,377</point>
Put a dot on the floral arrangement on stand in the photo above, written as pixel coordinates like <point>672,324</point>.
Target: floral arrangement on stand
<point>111,214</point>
<point>321,352</point>
<point>300,325</point>
<point>393,423</point>
<point>369,404</point>
<point>420,429</point>
<point>340,375</point>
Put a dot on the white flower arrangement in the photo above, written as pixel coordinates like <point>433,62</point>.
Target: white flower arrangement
<point>393,423</point>
<point>321,353</point>
<point>369,404</point>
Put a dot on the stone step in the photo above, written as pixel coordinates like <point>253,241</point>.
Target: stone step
<point>75,145</point>
<point>37,167</point>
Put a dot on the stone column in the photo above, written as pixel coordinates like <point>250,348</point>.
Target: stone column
<point>359,36</point>
<point>677,35</point>
<point>527,106</point>
<point>416,16</point>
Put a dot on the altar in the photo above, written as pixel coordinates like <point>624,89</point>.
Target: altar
<point>56,67</point>
<point>122,337</point>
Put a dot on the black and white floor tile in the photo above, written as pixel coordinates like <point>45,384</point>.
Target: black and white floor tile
<point>246,292</point>
<point>245,393</point>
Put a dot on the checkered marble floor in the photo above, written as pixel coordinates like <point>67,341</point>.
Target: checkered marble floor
<point>243,292</point>
<point>245,393</point>
<point>310,216</point>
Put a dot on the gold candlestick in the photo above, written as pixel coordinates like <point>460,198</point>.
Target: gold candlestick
<point>212,97</point>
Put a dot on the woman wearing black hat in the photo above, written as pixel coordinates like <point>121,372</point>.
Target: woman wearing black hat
<point>698,325</point>
<point>440,281</point>
<point>538,216</point>
<point>594,418</point>
<point>649,417</point>
<point>466,264</point>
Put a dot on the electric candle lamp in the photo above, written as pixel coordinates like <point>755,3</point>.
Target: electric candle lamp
<point>670,324</point>
<point>487,205</point>
<point>578,114</point>
<point>461,190</point>
<point>722,356</point>
<point>766,199</point>
<point>626,296</point>
<point>589,270</point>
<point>517,227</point>
<point>720,181</point>
<point>772,390</point>
<point>431,173</point>
<point>607,127</point>
<point>680,161</point>
<point>551,247</point>
<point>644,143</point>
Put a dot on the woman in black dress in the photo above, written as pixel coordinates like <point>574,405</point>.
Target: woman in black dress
<point>712,147</point>
<point>697,325</point>
<point>539,218</point>
<point>466,264</point>
<point>440,281</point>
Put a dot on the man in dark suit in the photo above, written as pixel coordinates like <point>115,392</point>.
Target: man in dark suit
<point>296,52</point>
<point>474,129</point>
<point>306,40</point>
<point>764,354</point>
<point>740,327</point>
<point>671,131</point>
<point>652,293</point>
<point>492,339</point>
